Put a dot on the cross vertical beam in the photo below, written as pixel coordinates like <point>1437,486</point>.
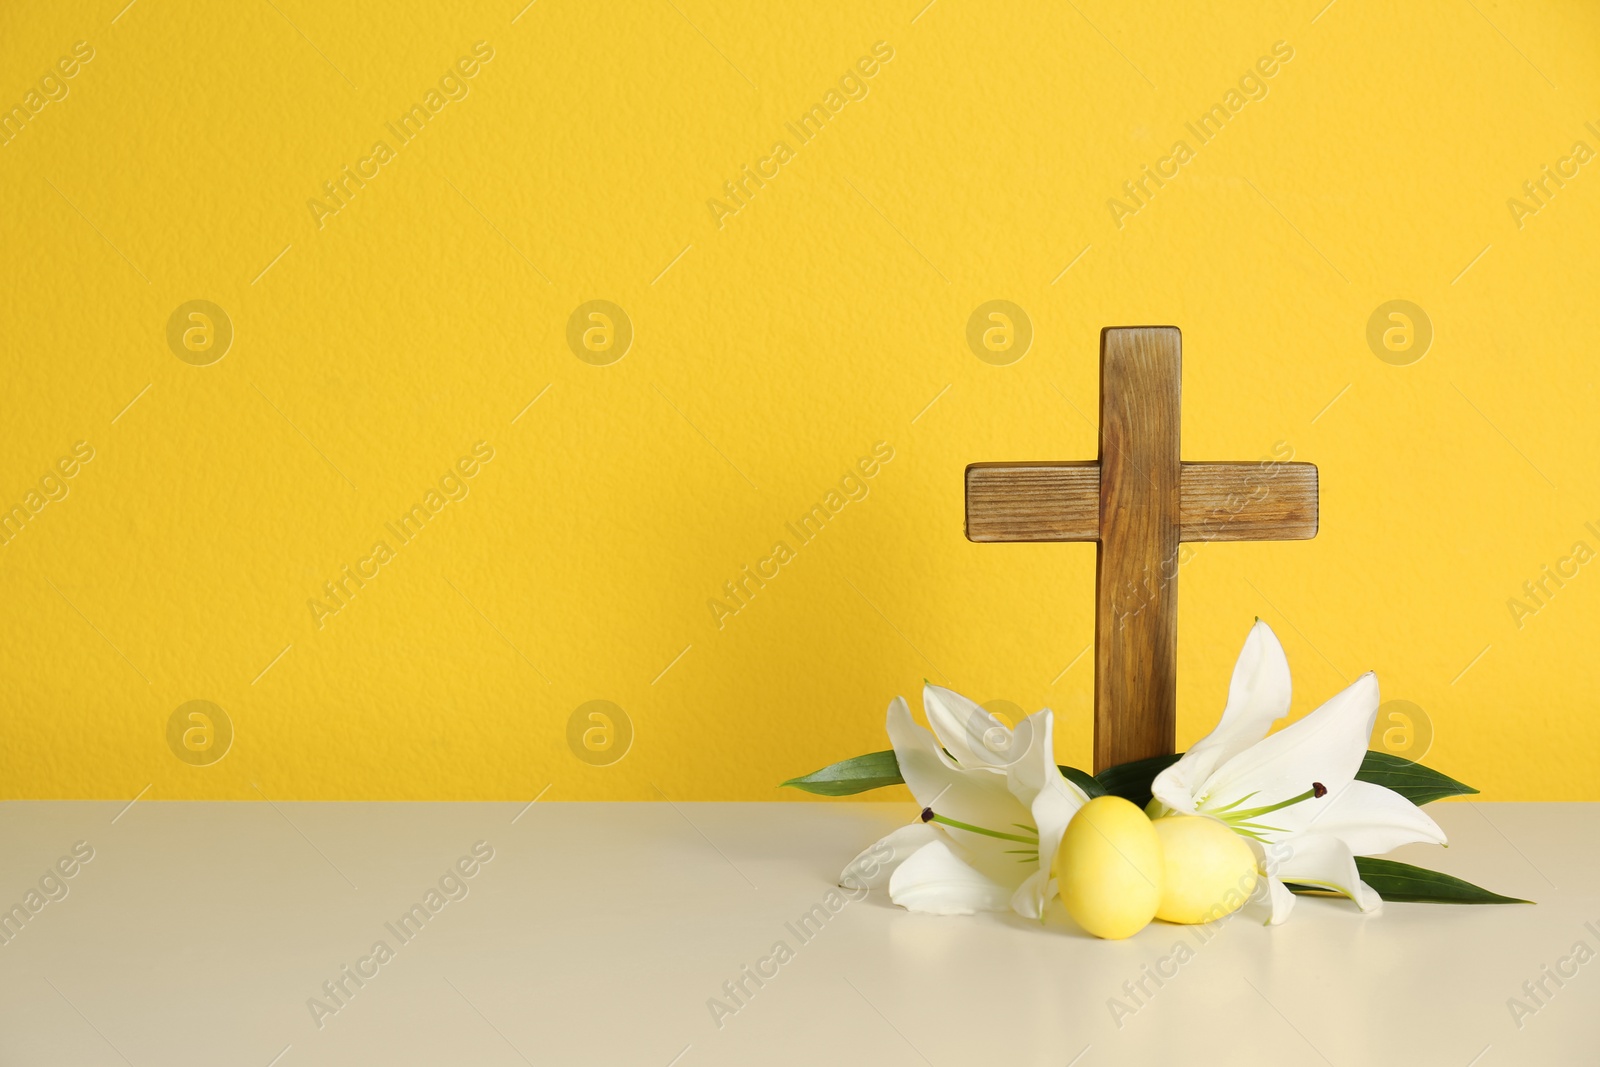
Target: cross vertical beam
<point>1136,590</point>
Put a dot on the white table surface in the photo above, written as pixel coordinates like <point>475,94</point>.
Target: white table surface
<point>598,933</point>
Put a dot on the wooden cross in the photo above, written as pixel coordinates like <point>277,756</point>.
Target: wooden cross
<point>1138,501</point>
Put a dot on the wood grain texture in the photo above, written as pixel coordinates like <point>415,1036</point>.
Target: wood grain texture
<point>1136,608</point>
<point>1033,501</point>
<point>1267,501</point>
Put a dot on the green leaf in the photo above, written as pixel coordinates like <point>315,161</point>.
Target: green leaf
<point>1413,781</point>
<point>848,777</point>
<point>1394,880</point>
<point>1083,780</point>
<point>1131,781</point>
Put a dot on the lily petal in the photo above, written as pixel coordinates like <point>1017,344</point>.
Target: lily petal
<point>1326,746</point>
<point>1053,801</point>
<point>935,881</point>
<point>1323,861</point>
<point>1372,819</point>
<point>981,799</point>
<point>972,735</point>
<point>873,867</point>
<point>1032,895</point>
<point>1271,903</point>
<point>1258,695</point>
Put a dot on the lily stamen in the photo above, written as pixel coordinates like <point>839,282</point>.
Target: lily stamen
<point>928,815</point>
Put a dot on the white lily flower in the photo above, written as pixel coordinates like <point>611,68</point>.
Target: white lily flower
<point>1294,793</point>
<point>994,808</point>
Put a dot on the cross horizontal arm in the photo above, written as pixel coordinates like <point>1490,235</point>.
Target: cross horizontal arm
<point>1217,501</point>
<point>1248,501</point>
<point>1033,501</point>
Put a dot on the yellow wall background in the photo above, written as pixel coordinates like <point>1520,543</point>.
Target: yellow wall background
<point>374,347</point>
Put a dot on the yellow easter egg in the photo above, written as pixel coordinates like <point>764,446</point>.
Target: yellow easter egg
<point>1110,869</point>
<point>1210,870</point>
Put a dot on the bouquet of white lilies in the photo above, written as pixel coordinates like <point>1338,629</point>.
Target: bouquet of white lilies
<point>1244,819</point>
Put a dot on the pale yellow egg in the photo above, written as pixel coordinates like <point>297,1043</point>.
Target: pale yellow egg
<point>1110,868</point>
<point>1210,870</point>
